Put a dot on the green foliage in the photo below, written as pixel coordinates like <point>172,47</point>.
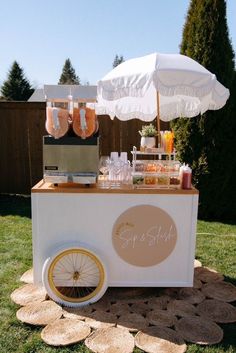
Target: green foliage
<point>118,60</point>
<point>16,87</point>
<point>207,142</point>
<point>68,76</point>
<point>148,131</point>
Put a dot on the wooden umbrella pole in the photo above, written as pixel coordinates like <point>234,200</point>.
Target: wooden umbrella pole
<point>158,119</point>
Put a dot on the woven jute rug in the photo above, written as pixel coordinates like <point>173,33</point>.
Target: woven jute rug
<point>217,311</point>
<point>223,291</point>
<point>42,313</point>
<point>206,274</point>
<point>28,293</point>
<point>28,276</point>
<point>199,330</point>
<point>160,339</point>
<point>153,319</point>
<point>110,340</point>
<point>65,331</point>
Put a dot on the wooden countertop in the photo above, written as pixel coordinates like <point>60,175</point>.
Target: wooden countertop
<point>43,187</point>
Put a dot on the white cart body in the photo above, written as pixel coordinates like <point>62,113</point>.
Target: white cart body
<point>66,215</point>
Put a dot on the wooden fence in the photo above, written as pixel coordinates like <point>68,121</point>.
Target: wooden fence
<point>22,126</point>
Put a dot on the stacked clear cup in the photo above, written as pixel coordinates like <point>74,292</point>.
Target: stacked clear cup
<point>103,181</point>
<point>119,169</point>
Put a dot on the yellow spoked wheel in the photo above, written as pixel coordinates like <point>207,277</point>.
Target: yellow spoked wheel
<point>75,277</point>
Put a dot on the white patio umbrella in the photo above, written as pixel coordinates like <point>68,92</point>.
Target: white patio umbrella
<point>163,85</point>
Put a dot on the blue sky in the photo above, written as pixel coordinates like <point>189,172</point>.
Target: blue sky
<point>41,34</point>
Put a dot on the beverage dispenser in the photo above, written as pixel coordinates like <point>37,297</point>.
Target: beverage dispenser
<point>71,150</point>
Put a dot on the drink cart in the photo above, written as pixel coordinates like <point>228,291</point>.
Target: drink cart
<point>86,239</point>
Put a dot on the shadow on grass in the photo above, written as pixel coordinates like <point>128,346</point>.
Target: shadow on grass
<point>229,340</point>
<point>15,205</point>
<point>231,280</point>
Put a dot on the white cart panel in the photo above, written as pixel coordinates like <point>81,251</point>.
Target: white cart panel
<point>62,216</point>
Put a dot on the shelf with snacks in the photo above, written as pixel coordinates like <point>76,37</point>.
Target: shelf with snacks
<point>155,152</point>
<point>155,173</point>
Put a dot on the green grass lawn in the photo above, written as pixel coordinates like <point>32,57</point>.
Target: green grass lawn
<point>216,248</point>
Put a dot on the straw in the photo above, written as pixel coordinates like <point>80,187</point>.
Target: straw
<point>199,330</point>
<point>220,290</point>
<point>191,295</point>
<point>206,274</point>
<point>101,319</point>
<point>197,263</point>
<point>181,308</point>
<point>103,304</point>
<point>64,332</point>
<point>42,313</point>
<point>140,308</point>
<point>197,283</point>
<point>77,313</point>
<point>160,339</point>
<point>159,302</point>
<point>119,308</point>
<point>128,294</point>
<point>28,276</point>
<point>217,311</point>
<point>132,322</point>
<point>110,340</point>
<point>28,293</point>
<point>161,318</point>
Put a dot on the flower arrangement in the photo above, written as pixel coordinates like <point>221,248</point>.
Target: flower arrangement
<point>148,131</point>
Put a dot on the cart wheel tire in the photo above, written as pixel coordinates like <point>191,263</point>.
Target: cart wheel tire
<point>74,276</point>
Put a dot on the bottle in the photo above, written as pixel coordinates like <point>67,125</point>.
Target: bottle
<point>181,169</point>
<point>186,179</point>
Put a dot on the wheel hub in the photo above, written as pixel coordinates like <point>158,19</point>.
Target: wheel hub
<point>75,276</point>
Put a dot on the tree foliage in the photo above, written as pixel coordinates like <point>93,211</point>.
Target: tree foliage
<point>206,142</point>
<point>118,60</point>
<point>16,87</point>
<point>68,75</point>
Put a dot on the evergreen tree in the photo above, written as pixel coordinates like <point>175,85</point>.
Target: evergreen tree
<point>16,87</point>
<point>206,142</point>
<point>118,60</point>
<point>68,76</point>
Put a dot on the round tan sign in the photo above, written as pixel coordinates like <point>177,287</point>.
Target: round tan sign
<point>144,235</point>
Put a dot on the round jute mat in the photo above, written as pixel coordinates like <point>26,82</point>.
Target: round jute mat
<point>197,263</point>
<point>127,293</point>
<point>181,308</point>
<point>191,295</point>
<point>28,276</point>
<point>139,308</point>
<point>119,308</point>
<point>103,304</point>
<point>217,311</point>
<point>161,318</point>
<point>206,274</point>
<point>223,291</point>
<point>158,302</point>
<point>101,319</point>
<point>199,330</point>
<point>197,283</point>
<point>63,332</point>
<point>110,340</point>
<point>132,322</point>
<point>41,314</point>
<point>160,339</point>
<point>28,293</point>
<point>77,313</point>
<point>171,292</point>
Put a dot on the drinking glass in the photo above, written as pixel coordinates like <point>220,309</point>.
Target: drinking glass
<point>104,170</point>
